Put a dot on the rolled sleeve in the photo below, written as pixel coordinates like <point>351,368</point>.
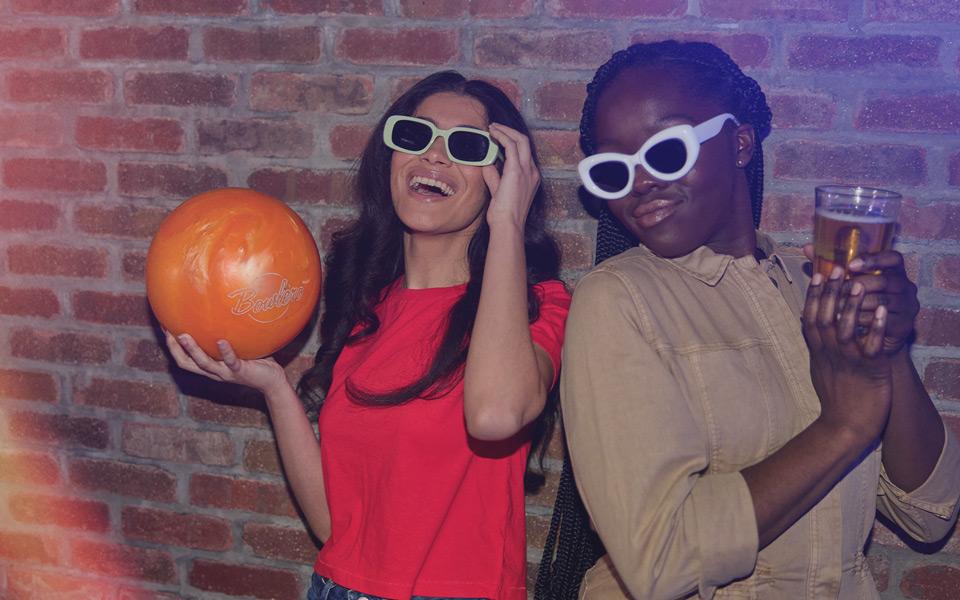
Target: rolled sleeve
<point>928,512</point>
<point>640,455</point>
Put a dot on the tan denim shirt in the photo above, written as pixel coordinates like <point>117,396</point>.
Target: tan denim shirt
<point>676,375</point>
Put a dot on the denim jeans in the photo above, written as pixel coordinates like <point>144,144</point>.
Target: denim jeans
<point>322,588</point>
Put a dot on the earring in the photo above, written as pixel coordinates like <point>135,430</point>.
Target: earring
<point>739,163</point>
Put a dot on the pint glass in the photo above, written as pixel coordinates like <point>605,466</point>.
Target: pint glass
<point>850,221</point>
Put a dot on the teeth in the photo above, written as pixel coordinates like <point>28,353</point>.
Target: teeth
<point>419,180</point>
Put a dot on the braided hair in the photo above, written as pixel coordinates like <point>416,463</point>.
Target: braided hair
<point>572,546</point>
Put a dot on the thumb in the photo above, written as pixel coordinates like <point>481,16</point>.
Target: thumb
<point>492,178</point>
<point>808,251</point>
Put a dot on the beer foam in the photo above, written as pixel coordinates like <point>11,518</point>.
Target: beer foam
<point>854,218</point>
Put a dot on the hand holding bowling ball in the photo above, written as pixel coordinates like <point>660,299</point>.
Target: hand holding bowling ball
<point>237,265</point>
<point>263,374</point>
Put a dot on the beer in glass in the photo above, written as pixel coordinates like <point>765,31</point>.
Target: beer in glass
<point>850,221</point>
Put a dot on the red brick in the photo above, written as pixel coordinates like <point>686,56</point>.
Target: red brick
<point>27,385</point>
<point>68,513</point>
<point>143,135</point>
<point>30,130</point>
<point>27,547</point>
<point>142,594</point>
<point>137,481</point>
<point>938,327</point>
<point>576,249</point>
<point>331,226</point>
<point>263,44</point>
<point>33,42</point>
<point>167,180</point>
<point>936,11</point>
<point>542,49</point>
<point>295,92</point>
<point>929,112</point>
<point>154,399</point>
<point>563,199</point>
<point>239,580</point>
<point>28,468</point>
<point>931,582</point>
<point>175,529</point>
<point>937,221</point>
<point>55,175</point>
<point>954,177</point>
<point>79,8</point>
<point>120,221</point>
<point>146,355</point>
<point>240,494</point>
<point>946,273</point>
<point>115,309</point>
<point>616,9</point>
<point>425,46</point>
<point>302,186</point>
<point>283,543</point>
<point>348,141</point>
<point>134,265</point>
<point>800,110</point>
<point>787,212</point>
<point>141,43</point>
<point>65,261</point>
<point>326,7</point>
<point>261,456</point>
<point>234,412</point>
<point>747,49</point>
<point>830,53</point>
<point>560,100</point>
<point>180,89</point>
<point>191,7</point>
<point>781,10</point>
<point>434,9</point>
<point>67,87</point>
<point>942,377</point>
<point>114,560</point>
<point>60,347</point>
<point>16,215</point>
<point>28,302</point>
<point>824,161</point>
<point>558,148</point>
<point>29,584</point>
<point>500,9</point>
<point>178,444</point>
<point>59,429</point>
<point>284,139</point>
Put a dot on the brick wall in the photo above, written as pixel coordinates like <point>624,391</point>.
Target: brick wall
<point>121,481</point>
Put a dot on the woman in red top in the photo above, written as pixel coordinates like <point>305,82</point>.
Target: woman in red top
<point>440,344</point>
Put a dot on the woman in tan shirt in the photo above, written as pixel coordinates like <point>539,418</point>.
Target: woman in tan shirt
<point>733,424</point>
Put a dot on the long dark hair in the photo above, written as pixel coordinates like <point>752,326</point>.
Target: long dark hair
<point>367,256</point>
<point>572,546</point>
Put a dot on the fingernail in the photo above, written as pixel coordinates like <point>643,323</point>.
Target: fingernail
<point>184,338</point>
<point>856,289</point>
<point>881,313</point>
<point>221,343</point>
<point>836,273</point>
<point>817,279</point>
<point>855,264</point>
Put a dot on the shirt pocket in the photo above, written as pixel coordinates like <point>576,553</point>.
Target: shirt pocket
<point>749,410</point>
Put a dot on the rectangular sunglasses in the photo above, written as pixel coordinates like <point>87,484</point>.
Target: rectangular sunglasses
<point>667,155</point>
<point>465,145</point>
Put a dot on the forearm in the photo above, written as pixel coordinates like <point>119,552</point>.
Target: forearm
<point>300,455</point>
<point>789,482</point>
<point>913,439</point>
<point>503,389</point>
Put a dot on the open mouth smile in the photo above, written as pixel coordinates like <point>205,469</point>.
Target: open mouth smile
<point>428,186</point>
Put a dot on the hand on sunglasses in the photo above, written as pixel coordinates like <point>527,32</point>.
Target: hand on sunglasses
<point>512,191</point>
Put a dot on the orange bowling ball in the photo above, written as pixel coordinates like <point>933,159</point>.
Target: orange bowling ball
<point>234,264</point>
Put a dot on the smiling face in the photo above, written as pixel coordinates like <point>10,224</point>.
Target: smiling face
<point>710,205</point>
<point>431,194</point>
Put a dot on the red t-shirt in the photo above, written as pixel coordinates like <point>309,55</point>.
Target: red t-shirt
<point>417,507</point>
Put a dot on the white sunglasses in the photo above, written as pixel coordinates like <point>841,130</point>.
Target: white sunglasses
<point>668,155</point>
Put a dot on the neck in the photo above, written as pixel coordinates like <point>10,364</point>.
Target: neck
<point>431,261</point>
<point>737,236</point>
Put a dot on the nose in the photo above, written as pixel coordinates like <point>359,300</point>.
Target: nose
<point>437,152</point>
<point>644,183</point>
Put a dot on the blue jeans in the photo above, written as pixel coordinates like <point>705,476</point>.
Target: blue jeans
<point>322,588</point>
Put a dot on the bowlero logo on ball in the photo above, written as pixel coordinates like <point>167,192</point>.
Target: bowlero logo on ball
<point>267,300</point>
